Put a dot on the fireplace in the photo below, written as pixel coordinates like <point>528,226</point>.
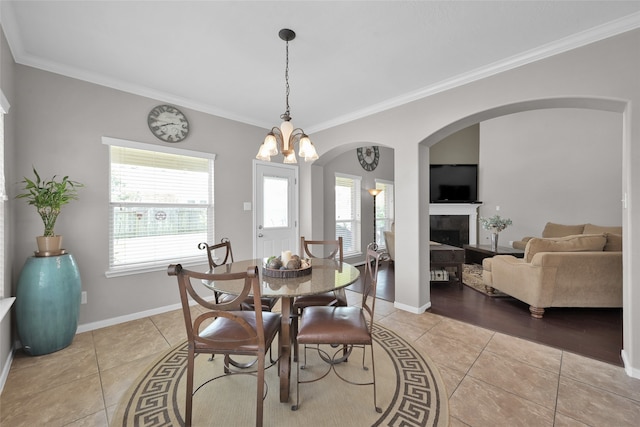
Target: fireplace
<point>450,230</point>
<point>454,224</point>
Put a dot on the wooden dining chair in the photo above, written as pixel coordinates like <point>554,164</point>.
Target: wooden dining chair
<point>335,326</point>
<point>224,248</point>
<point>225,328</point>
<point>328,249</point>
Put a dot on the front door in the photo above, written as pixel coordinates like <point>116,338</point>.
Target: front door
<point>276,213</point>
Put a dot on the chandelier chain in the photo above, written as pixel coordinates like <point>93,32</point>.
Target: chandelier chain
<point>286,115</point>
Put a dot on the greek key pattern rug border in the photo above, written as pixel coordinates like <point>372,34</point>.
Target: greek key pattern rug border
<point>419,397</point>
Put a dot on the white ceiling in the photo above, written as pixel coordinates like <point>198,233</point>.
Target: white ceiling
<point>349,59</point>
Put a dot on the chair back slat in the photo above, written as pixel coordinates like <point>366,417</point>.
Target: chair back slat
<point>224,244</point>
<point>332,249</point>
<point>228,310</point>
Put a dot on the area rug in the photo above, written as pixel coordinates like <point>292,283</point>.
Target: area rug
<point>409,387</point>
<point>472,277</point>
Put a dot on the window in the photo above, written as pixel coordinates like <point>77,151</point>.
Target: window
<point>384,210</point>
<point>160,206</point>
<point>348,221</point>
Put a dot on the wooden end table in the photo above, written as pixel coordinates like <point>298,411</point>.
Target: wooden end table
<point>474,254</point>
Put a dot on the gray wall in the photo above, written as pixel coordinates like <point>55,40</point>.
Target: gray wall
<point>348,163</point>
<point>560,165</point>
<point>462,148</point>
<point>61,122</point>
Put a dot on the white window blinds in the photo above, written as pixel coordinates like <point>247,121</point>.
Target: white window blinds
<point>348,219</point>
<point>160,207</point>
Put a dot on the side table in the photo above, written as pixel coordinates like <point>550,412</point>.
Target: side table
<point>442,255</point>
<point>474,254</point>
<point>48,303</point>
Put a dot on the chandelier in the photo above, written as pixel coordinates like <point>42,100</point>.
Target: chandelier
<point>285,137</point>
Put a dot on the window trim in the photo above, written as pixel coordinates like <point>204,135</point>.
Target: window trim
<point>152,267</point>
<point>153,147</point>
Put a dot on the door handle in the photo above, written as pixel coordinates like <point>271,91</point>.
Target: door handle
<point>260,235</point>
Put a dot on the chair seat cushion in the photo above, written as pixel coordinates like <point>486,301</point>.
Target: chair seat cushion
<point>333,325</point>
<point>224,334</point>
<point>266,302</point>
<point>314,300</point>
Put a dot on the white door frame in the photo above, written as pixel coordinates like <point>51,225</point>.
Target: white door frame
<point>296,204</point>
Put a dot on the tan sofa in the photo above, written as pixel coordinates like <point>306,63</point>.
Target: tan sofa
<point>561,230</point>
<point>583,270</point>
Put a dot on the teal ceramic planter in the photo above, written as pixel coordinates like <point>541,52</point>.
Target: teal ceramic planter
<point>48,303</point>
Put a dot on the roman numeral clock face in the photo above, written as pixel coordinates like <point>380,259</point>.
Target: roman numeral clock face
<point>168,123</point>
<point>368,157</point>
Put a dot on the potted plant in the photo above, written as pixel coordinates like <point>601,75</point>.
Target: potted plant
<point>48,196</point>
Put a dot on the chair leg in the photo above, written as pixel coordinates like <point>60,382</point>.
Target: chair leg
<point>297,404</point>
<point>294,335</point>
<point>373,371</point>
<point>189,391</point>
<point>260,389</point>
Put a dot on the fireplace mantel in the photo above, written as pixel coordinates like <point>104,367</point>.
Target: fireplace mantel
<point>468,209</point>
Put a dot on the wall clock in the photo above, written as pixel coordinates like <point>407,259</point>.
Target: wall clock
<point>168,123</point>
<point>368,157</point>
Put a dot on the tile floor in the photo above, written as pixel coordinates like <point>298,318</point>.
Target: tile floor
<point>492,379</point>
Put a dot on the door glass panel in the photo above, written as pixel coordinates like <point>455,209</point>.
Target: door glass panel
<point>276,202</point>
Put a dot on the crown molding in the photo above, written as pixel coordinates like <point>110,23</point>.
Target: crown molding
<point>604,31</point>
<point>592,35</point>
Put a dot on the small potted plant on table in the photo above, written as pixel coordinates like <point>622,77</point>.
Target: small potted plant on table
<point>48,196</point>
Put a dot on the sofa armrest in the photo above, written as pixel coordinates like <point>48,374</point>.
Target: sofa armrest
<point>584,279</point>
<point>530,283</point>
<point>521,244</point>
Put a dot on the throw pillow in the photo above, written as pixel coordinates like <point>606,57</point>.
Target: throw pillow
<point>576,243</point>
<point>597,229</point>
<point>614,242</point>
<point>561,230</point>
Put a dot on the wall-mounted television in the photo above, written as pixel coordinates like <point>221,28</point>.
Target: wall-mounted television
<point>453,183</point>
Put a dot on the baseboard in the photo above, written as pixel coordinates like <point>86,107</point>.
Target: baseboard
<point>412,309</point>
<point>86,327</point>
<point>631,371</point>
<point>6,369</point>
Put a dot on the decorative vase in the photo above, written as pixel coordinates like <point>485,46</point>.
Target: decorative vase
<point>48,303</point>
<point>494,242</point>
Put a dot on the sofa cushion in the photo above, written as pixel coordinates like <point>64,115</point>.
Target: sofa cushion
<point>560,230</point>
<point>574,243</point>
<point>597,229</point>
<point>614,242</point>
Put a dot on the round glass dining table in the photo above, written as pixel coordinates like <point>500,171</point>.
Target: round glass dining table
<point>326,275</point>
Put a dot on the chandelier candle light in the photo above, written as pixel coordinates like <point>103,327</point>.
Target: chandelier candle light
<point>495,224</point>
<point>285,137</point>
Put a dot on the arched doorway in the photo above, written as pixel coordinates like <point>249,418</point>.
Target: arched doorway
<point>616,106</point>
